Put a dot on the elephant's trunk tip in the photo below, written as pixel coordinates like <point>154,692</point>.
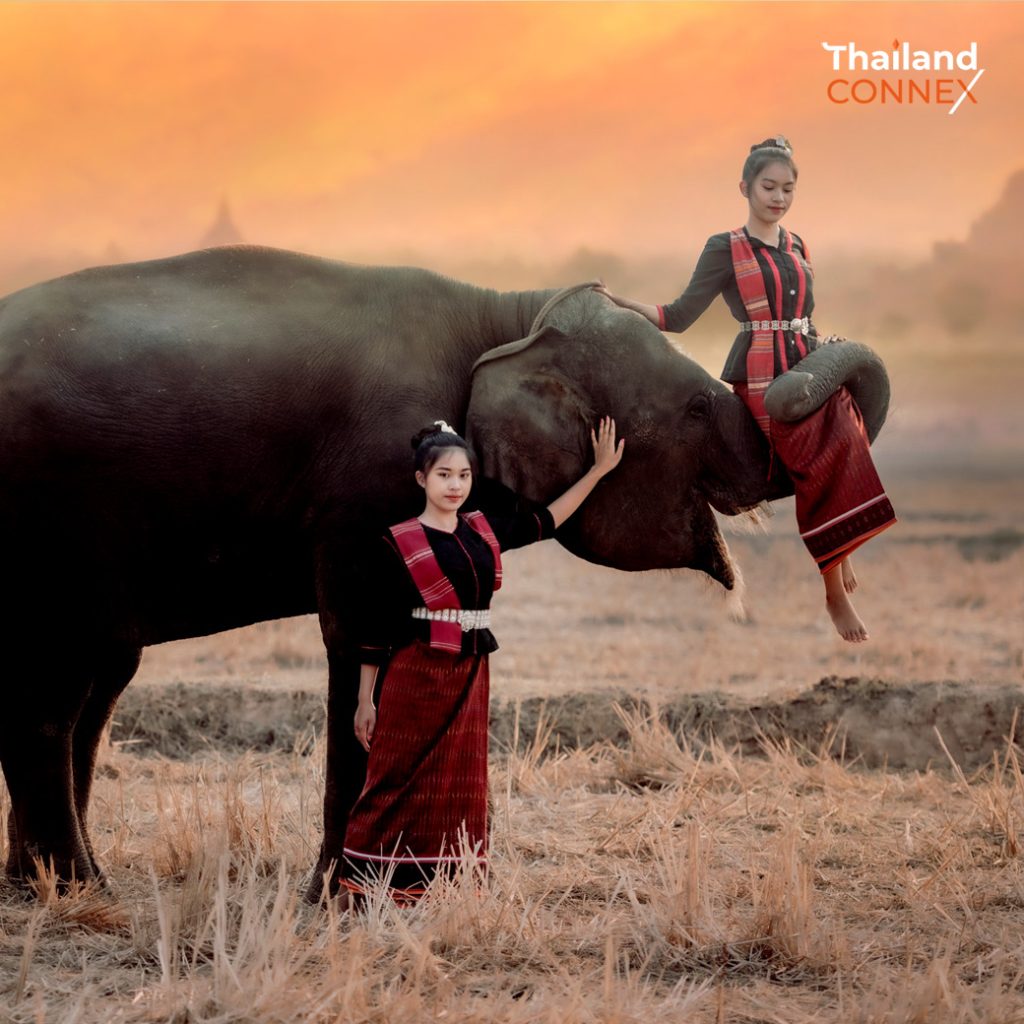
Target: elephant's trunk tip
<point>727,572</point>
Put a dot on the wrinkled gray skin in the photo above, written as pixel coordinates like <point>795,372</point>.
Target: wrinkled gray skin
<point>794,395</point>
<point>197,443</point>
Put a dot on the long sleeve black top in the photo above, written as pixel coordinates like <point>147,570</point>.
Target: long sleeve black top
<point>714,275</point>
<point>385,623</point>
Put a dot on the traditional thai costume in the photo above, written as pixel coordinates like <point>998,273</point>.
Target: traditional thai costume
<point>840,501</point>
<point>423,807</point>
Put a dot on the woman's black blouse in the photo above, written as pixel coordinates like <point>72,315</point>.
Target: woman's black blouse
<point>714,275</point>
<point>388,593</point>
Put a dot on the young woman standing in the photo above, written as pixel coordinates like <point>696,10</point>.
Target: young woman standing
<point>427,587</point>
<point>764,274</point>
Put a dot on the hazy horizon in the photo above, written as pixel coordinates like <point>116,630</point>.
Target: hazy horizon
<point>524,145</point>
<point>486,131</point>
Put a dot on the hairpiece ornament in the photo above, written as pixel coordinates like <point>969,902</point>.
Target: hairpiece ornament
<point>781,142</point>
<point>443,428</point>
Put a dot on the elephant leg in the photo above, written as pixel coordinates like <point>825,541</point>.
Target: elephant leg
<point>114,671</point>
<point>12,837</point>
<point>346,769</point>
<point>36,742</point>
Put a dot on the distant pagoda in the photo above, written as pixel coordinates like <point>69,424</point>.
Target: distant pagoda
<point>223,230</point>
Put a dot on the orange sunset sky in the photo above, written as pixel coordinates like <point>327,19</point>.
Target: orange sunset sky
<point>383,130</point>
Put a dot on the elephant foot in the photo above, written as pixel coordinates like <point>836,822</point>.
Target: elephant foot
<point>322,881</point>
<point>314,890</point>
<point>33,873</point>
<point>18,887</point>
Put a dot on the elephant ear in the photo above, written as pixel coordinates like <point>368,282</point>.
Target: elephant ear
<point>527,421</point>
<point>810,383</point>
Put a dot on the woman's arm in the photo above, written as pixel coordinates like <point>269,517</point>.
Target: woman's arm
<point>643,308</point>
<point>606,457</point>
<point>709,277</point>
<point>366,712</point>
<point>382,582</point>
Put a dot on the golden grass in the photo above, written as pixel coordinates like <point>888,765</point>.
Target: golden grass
<point>628,884</point>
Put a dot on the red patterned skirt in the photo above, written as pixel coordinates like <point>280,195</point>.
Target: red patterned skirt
<point>840,502</point>
<point>423,808</point>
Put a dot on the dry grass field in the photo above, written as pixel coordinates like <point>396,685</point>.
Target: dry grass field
<point>662,876</point>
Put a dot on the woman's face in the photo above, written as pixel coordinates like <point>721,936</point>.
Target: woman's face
<point>771,192</point>
<point>448,481</point>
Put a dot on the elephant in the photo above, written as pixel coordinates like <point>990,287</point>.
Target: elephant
<point>204,441</point>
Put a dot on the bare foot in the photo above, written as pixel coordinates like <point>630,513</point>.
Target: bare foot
<point>844,617</point>
<point>846,620</point>
<point>849,577</point>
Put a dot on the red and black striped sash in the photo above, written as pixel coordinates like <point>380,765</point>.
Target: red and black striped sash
<point>435,588</point>
<point>751,283</point>
<point>480,524</point>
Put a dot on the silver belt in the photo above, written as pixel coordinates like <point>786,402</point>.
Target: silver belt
<point>801,326</point>
<point>467,618</point>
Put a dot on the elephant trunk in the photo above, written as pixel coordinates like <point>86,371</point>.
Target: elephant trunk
<point>736,465</point>
<point>806,387</point>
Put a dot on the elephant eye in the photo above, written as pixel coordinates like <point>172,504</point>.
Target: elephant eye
<point>699,408</point>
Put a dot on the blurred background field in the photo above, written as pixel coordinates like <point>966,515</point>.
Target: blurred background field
<point>941,592</point>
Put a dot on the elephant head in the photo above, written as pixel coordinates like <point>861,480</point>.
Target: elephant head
<point>691,444</point>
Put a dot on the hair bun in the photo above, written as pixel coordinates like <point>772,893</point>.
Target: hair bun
<point>777,142</point>
<point>421,435</point>
<point>435,428</point>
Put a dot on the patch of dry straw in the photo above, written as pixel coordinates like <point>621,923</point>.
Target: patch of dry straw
<point>632,883</point>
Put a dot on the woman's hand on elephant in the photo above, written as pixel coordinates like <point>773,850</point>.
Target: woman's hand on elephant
<point>606,457</point>
<point>645,309</point>
<point>607,454</point>
<point>365,723</point>
<point>831,339</point>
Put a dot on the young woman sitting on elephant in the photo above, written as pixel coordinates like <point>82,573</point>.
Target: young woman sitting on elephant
<point>426,594</point>
<point>763,272</point>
